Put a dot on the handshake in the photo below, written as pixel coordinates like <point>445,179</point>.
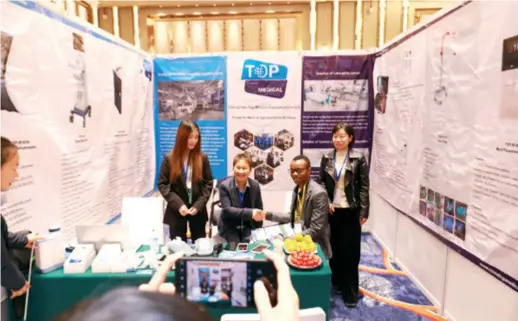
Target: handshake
<point>259,215</point>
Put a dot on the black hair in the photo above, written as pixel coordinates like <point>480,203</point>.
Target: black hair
<point>304,158</point>
<point>7,150</point>
<point>349,130</point>
<point>130,304</point>
<point>244,157</point>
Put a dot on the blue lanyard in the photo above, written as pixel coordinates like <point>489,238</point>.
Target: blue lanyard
<point>185,171</point>
<point>241,198</point>
<point>337,174</point>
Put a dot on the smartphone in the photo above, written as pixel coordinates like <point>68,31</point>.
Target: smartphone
<point>224,282</point>
<point>260,248</point>
<point>242,247</point>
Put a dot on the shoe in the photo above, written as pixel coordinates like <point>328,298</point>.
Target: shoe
<point>350,305</point>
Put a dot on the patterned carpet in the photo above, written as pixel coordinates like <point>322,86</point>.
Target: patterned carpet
<point>388,294</point>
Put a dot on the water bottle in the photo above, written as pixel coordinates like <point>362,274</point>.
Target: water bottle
<point>154,243</point>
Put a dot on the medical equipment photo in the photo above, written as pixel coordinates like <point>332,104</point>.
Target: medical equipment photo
<point>5,45</point>
<point>78,65</point>
<point>441,93</point>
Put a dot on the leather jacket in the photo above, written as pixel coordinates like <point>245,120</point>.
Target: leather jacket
<point>356,179</point>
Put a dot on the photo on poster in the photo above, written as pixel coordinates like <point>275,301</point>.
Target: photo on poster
<point>336,95</point>
<point>509,104</point>
<point>380,100</point>
<point>117,89</point>
<point>448,223</point>
<point>6,41</point>
<point>461,211</point>
<point>460,229</point>
<point>77,64</point>
<point>192,100</point>
<point>438,217</point>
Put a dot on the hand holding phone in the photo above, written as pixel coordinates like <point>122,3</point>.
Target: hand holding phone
<point>260,248</point>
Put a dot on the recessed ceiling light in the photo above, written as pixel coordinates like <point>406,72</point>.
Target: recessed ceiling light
<point>232,5</point>
<point>196,5</point>
<point>214,5</point>
<point>160,6</point>
<point>214,13</point>
<point>179,13</point>
<point>196,13</point>
<point>232,12</point>
<point>178,5</point>
<point>270,11</point>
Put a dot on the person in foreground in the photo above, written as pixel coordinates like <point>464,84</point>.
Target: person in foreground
<point>345,176</point>
<point>156,300</point>
<point>185,181</point>
<point>12,278</point>
<point>241,202</point>
<point>309,205</point>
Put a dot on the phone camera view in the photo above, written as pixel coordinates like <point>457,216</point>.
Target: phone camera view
<point>224,283</point>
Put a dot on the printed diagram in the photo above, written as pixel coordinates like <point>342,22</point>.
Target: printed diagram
<point>5,46</point>
<point>335,95</point>
<point>441,93</point>
<point>81,106</point>
<point>266,151</point>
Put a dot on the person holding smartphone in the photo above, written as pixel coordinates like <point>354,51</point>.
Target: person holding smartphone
<point>185,181</point>
<point>345,176</point>
<point>241,203</point>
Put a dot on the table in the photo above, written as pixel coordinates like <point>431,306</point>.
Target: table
<point>56,292</point>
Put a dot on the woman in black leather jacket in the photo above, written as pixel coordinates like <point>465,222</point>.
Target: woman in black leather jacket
<point>344,174</point>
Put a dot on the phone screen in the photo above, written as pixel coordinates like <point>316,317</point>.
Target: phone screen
<point>260,248</point>
<point>224,283</point>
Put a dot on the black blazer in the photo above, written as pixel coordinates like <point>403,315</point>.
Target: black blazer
<point>12,278</point>
<point>175,193</point>
<point>232,216</point>
<point>356,179</point>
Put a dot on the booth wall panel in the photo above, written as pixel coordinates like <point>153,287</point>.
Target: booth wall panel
<point>216,35</point>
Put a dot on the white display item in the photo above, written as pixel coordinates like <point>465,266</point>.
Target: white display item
<point>107,257</point>
<point>80,259</point>
<point>50,252</point>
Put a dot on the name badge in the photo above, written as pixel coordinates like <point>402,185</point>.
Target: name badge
<point>297,228</point>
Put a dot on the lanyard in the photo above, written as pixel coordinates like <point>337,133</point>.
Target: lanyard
<point>241,198</point>
<point>185,171</point>
<point>337,174</point>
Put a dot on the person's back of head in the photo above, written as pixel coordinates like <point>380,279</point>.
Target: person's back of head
<point>130,304</point>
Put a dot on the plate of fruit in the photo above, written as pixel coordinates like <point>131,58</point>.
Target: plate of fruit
<point>299,243</point>
<point>304,260</point>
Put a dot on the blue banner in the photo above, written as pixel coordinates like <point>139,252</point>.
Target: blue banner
<point>193,89</point>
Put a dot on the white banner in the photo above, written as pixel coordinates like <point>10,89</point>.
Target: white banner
<point>78,104</point>
<point>264,98</point>
<point>446,132</point>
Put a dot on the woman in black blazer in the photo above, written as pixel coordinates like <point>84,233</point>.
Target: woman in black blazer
<point>241,203</point>
<point>345,176</point>
<point>185,182</point>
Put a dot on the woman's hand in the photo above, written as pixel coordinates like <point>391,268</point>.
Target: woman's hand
<point>157,282</point>
<point>193,211</point>
<point>31,240</point>
<point>363,220</point>
<point>287,308</point>
<point>331,209</point>
<point>21,291</point>
<point>184,211</point>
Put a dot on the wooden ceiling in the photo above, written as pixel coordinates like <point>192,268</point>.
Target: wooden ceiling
<point>192,3</point>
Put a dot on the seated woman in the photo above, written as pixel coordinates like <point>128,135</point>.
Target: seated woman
<point>241,203</point>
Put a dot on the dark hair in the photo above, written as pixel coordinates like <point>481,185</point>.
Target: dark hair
<point>244,157</point>
<point>130,304</point>
<point>302,157</point>
<point>349,130</point>
<point>7,150</point>
<point>180,147</point>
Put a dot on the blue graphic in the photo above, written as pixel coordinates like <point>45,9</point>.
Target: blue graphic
<point>193,89</point>
<point>261,70</point>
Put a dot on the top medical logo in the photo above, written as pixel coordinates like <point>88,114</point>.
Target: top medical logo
<point>264,78</point>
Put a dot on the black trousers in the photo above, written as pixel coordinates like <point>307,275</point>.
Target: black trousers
<point>197,224</point>
<point>346,247</point>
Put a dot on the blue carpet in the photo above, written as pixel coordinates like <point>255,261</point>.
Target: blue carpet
<point>388,293</point>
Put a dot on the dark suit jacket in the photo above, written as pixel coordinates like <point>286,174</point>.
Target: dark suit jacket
<point>12,278</point>
<point>175,193</point>
<point>356,180</point>
<point>232,216</point>
<point>315,218</point>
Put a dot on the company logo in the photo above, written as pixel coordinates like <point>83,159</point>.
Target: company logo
<point>264,78</point>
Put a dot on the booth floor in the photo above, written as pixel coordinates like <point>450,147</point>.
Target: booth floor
<point>388,293</point>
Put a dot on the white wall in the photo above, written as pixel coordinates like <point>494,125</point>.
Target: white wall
<point>463,291</point>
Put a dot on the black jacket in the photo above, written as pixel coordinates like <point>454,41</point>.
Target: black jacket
<point>356,179</point>
<point>233,216</point>
<point>12,278</point>
<point>175,193</point>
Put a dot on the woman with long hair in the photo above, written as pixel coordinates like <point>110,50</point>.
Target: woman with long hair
<point>344,174</point>
<point>185,182</point>
<point>12,278</point>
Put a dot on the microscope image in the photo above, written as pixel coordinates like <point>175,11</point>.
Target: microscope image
<point>5,45</point>
<point>117,89</point>
<point>81,106</point>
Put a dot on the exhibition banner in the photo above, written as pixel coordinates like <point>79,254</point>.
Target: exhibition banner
<point>264,113</point>
<point>335,89</point>
<point>446,133</point>
<point>192,88</point>
<point>82,124</point>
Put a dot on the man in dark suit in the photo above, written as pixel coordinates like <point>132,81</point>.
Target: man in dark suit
<point>309,205</point>
<point>242,210</point>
